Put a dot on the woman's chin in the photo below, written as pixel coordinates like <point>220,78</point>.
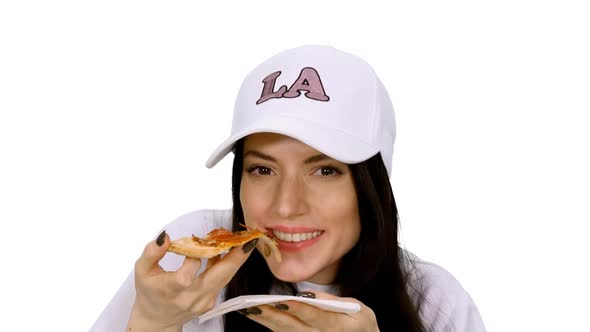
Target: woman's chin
<point>288,275</point>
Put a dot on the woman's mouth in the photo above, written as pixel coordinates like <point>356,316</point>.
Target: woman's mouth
<point>295,237</point>
<point>296,241</point>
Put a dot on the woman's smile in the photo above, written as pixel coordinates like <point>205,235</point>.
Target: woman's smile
<point>296,238</point>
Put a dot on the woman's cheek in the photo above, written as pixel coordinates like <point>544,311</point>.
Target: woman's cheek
<point>255,196</point>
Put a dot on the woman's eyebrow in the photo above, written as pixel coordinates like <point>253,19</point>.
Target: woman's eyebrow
<point>258,154</point>
<point>316,158</point>
<point>310,160</point>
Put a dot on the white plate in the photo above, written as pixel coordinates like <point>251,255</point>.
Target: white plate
<point>247,301</point>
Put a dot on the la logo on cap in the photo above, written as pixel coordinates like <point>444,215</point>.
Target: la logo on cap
<point>308,80</point>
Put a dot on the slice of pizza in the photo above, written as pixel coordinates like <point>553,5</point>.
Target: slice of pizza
<point>221,240</point>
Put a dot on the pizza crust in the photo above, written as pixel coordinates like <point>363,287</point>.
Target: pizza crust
<point>217,242</point>
<point>270,247</point>
<point>186,246</point>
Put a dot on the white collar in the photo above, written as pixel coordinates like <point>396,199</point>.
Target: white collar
<point>309,286</point>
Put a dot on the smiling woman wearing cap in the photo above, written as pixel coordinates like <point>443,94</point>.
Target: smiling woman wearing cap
<point>312,136</point>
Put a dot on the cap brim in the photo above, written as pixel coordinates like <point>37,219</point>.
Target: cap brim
<point>333,143</point>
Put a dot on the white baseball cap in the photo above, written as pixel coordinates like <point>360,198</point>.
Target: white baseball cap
<point>328,99</point>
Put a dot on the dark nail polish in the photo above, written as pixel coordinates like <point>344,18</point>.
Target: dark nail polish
<point>161,238</point>
<point>306,294</point>
<point>244,312</point>
<point>246,248</point>
<point>254,310</point>
<point>282,306</point>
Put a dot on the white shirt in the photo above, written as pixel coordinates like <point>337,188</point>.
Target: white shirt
<point>448,307</point>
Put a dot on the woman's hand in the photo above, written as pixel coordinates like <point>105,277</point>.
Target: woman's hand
<point>301,317</point>
<point>167,300</point>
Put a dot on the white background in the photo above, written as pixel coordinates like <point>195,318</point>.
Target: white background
<point>109,110</point>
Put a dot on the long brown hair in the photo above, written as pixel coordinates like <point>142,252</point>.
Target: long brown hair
<point>375,271</point>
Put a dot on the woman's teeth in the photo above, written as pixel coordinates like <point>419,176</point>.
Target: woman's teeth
<point>295,237</point>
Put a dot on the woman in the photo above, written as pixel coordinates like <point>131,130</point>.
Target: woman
<point>312,135</point>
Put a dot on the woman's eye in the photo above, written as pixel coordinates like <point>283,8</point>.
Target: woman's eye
<point>260,170</point>
<point>326,171</point>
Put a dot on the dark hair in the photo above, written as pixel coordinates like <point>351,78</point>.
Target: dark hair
<point>372,272</point>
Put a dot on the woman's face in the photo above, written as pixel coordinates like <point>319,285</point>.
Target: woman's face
<point>306,199</point>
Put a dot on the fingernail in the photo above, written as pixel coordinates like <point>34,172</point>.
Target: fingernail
<point>246,248</point>
<point>244,312</point>
<point>161,238</point>
<point>282,306</point>
<point>254,310</point>
<point>306,294</point>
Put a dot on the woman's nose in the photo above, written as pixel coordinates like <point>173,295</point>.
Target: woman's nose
<point>290,200</point>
